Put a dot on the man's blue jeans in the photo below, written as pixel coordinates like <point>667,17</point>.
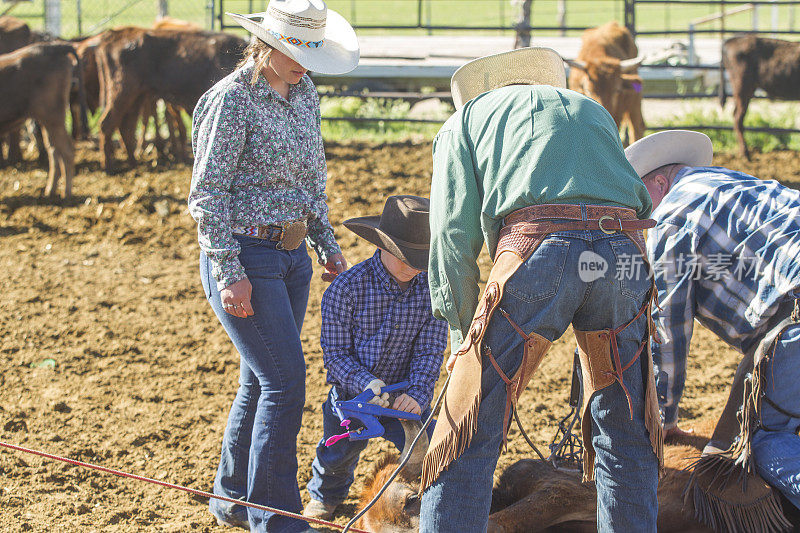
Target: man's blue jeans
<point>776,450</point>
<point>259,447</point>
<point>333,467</point>
<point>556,286</point>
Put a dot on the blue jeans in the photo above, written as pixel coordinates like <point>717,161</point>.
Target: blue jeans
<point>545,295</point>
<point>333,467</point>
<point>777,450</point>
<point>259,448</point>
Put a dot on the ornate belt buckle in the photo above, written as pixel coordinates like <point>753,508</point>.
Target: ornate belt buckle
<point>600,224</point>
<point>292,234</point>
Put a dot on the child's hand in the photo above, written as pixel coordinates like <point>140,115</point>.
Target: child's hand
<point>406,403</point>
<point>380,399</point>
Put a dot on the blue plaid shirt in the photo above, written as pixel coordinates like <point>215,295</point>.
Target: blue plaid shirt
<point>725,252</point>
<point>373,329</point>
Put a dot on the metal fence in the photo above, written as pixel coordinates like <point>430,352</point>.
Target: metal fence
<point>71,18</point>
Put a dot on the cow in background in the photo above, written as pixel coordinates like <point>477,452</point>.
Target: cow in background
<point>14,34</point>
<point>758,62</point>
<point>36,82</point>
<point>175,66</point>
<point>606,71</point>
<point>177,139</point>
<point>85,48</point>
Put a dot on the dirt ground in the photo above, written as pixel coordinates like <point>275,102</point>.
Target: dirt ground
<point>110,354</point>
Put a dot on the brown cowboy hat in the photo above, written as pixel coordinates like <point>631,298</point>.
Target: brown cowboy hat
<point>402,229</point>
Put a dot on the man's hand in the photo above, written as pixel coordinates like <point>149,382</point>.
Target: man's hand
<point>335,265</point>
<point>406,403</point>
<point>676,433</point>
<point>381,400</point>
<point>236,298</point>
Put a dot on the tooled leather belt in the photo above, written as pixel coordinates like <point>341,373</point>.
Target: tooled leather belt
<point>289,235</point>
<point>549,218</point>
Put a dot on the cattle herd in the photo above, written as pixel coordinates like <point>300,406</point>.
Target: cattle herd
<point>123,72</point>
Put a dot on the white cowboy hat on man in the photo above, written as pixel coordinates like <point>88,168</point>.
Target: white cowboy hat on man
<point>525,66</point>
<point>682,147</point>
<point>318,38</point>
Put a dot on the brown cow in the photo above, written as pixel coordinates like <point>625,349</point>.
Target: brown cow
<point>175,66</point>
<point>605,70</point>
<point>758,62</point>
<point>85,48</point>
<point>36,82</point>
<point>398,508</point>
<point>14,34</point>
<point>531,495</point>
<point>176,129</point>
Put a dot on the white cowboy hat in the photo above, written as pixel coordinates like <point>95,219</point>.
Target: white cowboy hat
<point>525,66</point>
<point>682,147</point>
<point>318,38</point>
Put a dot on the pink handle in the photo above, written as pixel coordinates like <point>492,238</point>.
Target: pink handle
<point>336,438</point>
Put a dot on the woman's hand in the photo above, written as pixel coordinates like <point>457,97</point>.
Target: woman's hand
<point>236,298</point>
<point>406,403</point>
<point>335,265</point>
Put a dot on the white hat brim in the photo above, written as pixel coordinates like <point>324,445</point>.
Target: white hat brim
<point>670,147</point>
<point>525,66</point>
<point>339,53</point>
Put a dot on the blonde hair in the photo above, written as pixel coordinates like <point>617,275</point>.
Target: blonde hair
<point>259,52</point>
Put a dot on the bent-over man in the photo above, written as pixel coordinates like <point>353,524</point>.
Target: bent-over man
<point>537,172</point>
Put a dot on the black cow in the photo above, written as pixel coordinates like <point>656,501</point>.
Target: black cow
<point>757,62</point>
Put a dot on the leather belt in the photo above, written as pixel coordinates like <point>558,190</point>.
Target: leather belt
<point>270,232</point>
<point>549,218</point>
<point>289,235</point>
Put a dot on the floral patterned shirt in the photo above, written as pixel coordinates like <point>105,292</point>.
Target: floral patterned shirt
<point>259,160</point>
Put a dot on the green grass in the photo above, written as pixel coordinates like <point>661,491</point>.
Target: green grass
<point>725,140</point>
<point>99,14</point>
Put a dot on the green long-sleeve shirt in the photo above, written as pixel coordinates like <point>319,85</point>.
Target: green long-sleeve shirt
<point>507,149</point>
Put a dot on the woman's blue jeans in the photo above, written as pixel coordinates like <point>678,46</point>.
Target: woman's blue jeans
<point>558,286</point>
<point>259,447</point>
<point>777,450</point>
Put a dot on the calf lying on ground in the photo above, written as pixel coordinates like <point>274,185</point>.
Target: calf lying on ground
<point>530,496</point>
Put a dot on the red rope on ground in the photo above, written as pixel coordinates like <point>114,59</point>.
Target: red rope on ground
<point>173,486</point>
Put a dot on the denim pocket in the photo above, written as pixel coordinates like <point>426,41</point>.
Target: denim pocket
<point>631,270</point>
<point>263,262</point>
<point>539,277</point>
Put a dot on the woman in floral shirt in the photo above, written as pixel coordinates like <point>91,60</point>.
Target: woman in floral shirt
<point>258,187</point>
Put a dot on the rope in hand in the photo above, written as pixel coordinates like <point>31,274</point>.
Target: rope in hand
<point>403,462</point>
<point>179,487</point>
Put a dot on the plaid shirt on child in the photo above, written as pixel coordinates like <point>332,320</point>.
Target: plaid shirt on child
<point>373,329</point>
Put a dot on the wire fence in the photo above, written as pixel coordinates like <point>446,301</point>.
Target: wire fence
<point>70,18</point>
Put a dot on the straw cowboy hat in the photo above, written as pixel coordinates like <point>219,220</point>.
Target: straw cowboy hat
<point>318,38</point>
<point>682,147</point>
<point>525,66</point>
<point>402,229</point>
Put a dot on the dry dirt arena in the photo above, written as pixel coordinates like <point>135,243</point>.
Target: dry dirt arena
<point>110,354</point>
